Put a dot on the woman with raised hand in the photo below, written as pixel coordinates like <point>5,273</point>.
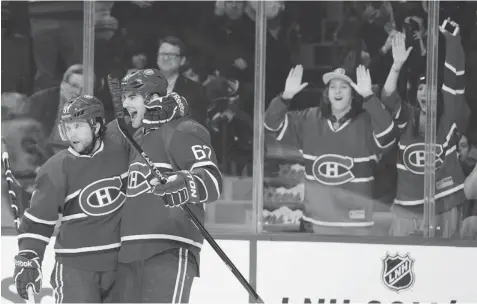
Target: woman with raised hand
<point>452,113</point>
<point>340,141</point>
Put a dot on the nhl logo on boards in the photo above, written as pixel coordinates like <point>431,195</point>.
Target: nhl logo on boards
<point>398,272</point>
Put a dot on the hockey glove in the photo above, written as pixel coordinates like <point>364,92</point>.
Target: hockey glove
<point>179,189</point>
<point>160,110</point>
<point>27,272</point>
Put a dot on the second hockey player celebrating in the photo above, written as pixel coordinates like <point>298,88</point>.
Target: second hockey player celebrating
<point>160,250</point>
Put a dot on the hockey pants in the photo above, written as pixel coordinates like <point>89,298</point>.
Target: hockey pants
<point>164,278</point>
<point>71,285</point>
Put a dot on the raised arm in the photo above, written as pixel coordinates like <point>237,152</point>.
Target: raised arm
<point>456,109</point>
<point>389,95</point>
<point>284,125</point>
<point>383,130</point>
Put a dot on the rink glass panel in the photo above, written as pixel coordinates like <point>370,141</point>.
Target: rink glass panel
<point>285,188</point>
<point>38,48</point>
<point>261,177</point>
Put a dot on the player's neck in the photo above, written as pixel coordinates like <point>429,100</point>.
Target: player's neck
<point>97,145</point>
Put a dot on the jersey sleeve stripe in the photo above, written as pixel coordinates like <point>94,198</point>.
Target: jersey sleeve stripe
<point>73,217</point>
<point>283,130</point>
<point>38,220</point>
<point>402,125</point>
<point>203,187</point>
<point>215,181</point>
<point>34,236</point>
<point>385,132</point>
<point>384,145</point>
<point>72,195</point>
<point>451,91</point>
<point>273,129</point>
<point>202,164</point>
<point>453,69</point>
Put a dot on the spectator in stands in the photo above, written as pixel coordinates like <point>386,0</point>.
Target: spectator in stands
<point>232,34</point>
<point>57,34</point>
<point>44,105</point>
<point>452,113</point>
<point>377,28</point>
<point>340,141</point>
<point>17,62</point>
<point>280,40</point>
<point>467,153</point>
<point>171,58</point>
<point>414,28</point>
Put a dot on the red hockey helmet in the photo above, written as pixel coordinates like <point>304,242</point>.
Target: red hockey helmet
<point>82,108</point>
<point>145,82</point>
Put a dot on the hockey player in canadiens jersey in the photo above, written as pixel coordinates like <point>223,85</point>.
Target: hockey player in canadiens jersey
<point>451,119</point>
<point>160,252</point>
<point>340,141</point>
<point>86,185</point>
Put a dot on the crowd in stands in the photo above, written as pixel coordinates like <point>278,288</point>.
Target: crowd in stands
<point>206,50</point>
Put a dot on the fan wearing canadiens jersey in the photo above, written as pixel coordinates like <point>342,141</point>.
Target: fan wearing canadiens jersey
<point>451,119</point>
<point>160,252</point>
<point>340,142</point>
<point>86,185</point>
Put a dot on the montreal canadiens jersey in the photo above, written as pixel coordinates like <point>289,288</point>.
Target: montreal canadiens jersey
<point>449,176</point>
<point>339,163</point>
<point>148,227</point>
<point>89,192</point>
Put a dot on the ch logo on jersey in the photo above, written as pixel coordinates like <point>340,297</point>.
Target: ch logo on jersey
<point>138,179</point>
<point>414,156</point>
<point>333,170</point>
<point>102,197</point>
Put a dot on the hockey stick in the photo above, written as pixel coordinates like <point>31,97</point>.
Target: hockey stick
<point>13,202</point>
<point>115,89</point>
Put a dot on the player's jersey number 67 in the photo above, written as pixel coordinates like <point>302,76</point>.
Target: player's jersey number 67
<point>201,152</point>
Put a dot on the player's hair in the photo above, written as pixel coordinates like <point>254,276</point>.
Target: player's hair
<point>356,105</point>
<point>102,126</point>
<point>175,41</point>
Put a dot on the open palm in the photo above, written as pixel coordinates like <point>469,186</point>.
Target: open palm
<point>293,84</point>
<point>363,85</point>
<point>400,54</point>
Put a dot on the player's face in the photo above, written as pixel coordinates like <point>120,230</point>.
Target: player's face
<point>134,104</point>
<point>169,58</point>
<point>340,95</point>
<point>79,134</point>
<point>421,96</point>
